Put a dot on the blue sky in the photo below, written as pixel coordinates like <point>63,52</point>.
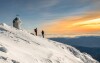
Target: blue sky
<point>33,13</point>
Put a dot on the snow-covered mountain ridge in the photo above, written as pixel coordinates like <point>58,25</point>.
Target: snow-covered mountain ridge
<point>19,46</point>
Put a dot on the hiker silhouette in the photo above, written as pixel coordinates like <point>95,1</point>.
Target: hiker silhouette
<point>35,30</point>
<point>42,33</point>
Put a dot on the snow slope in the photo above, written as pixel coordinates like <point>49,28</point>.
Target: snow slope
<point>19,46</point>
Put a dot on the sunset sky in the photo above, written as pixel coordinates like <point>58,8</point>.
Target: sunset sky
<point>56,17</point>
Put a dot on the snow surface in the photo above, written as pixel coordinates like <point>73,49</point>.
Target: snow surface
<point>19,46</point>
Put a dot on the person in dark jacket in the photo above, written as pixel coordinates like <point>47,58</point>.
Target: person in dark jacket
<point>35,30</point>
<point>42,33</point>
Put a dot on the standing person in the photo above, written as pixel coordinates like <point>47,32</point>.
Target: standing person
<point>42,33</point>
<point>35,30</point>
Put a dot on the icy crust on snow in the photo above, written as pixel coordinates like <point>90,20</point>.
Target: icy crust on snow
<point>19,46</point>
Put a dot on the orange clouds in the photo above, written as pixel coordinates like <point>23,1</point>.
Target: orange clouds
<point>87,23</point>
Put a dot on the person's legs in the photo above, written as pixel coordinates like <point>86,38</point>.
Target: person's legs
<point>36,33</point>
<point>43,35</point>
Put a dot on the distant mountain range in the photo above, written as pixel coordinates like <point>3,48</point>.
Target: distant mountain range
<point>85,41</point>
<point>88,44</point>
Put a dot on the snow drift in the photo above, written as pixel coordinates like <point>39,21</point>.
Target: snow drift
<point>19,46</point>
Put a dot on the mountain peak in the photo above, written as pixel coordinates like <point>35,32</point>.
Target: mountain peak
<point>19,46</point>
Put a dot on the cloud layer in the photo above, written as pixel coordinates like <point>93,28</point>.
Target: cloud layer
<point>89,23</point>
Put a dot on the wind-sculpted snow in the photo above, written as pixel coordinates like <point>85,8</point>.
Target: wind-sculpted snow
<point>19,46</point>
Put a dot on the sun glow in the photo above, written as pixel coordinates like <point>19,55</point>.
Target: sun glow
<point>76,25</point>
